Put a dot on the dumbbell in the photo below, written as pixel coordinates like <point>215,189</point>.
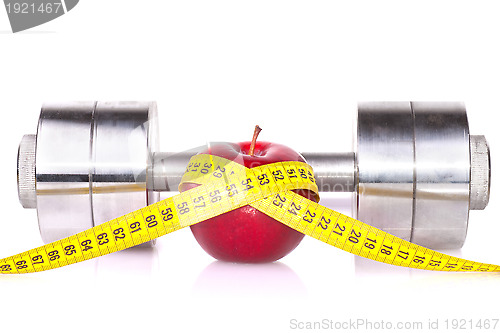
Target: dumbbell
<point>415,171</point>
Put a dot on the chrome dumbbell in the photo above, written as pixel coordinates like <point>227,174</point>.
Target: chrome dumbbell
<point>415,170</point>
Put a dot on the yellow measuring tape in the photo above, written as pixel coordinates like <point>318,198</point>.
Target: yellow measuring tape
<point>224,186</point>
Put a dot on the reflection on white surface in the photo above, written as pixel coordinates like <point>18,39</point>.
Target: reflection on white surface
<point>366,268</point>
<point>133,261</point>
<point>273,280</point>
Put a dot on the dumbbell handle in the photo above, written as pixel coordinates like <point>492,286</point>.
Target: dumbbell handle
<point>334,172</point>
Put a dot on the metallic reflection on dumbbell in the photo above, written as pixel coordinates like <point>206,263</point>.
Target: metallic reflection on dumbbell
<point>415,170</point>
<point>428,176</point>
<point>87,164</point>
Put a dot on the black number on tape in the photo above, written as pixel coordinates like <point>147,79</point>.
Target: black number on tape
<point>247,184</point>
<point>279,201</point>
<point>218,172</point>
<point>151,220</point>
<point>263,179</point>
<point>341,228</point>
<point>435,263</point>
<point>5,268</point>
<point>119,234</point>
<point>387,249</point>
<point>231,190</point>
<point>403,255</point>
<point>37,259</point>
<point>167,214</point>
<point>183,208</point>
<point>294,208</point>
<point>418,260</point>
<point>325,221</point>
<point>310,218</point>
<point>199,201</point>
<point>370,243</point>
<point>69,250</point>
<point>278,175</point>
<point>53,255</point>
<point>86,245</point>
<point>21,264</point>
<point>354,238</point>
<point>195,166</point>
<point>291,173</point>
<point>206,168</point>
<point>136,226</point>
<point>103,238</point>
<point>215,196</point>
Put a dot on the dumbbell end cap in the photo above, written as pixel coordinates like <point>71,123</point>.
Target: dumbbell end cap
<point>26,183</point>
<point>480,173</point>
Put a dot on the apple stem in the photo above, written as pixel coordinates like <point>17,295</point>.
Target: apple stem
<point>254,139</point>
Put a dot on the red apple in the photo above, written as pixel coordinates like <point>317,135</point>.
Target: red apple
<point>245,234</point>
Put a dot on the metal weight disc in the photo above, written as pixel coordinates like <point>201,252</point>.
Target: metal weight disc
<point>91,164</point>
<point>413,161</point>
<point>63,151</point>
<point>442,174</point>
<point>384,158</point>
<point>124,138</point>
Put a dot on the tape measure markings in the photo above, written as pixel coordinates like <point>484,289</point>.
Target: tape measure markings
<point>389,247</point>
<point>224,186</point>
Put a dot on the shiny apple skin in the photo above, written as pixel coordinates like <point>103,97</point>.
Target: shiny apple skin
<point>246,235</point>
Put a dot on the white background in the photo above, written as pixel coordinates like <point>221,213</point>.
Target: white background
<point>216,68</point>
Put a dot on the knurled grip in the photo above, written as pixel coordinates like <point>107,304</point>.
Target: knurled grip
<point>26,183</point>
<point>480,173</point>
